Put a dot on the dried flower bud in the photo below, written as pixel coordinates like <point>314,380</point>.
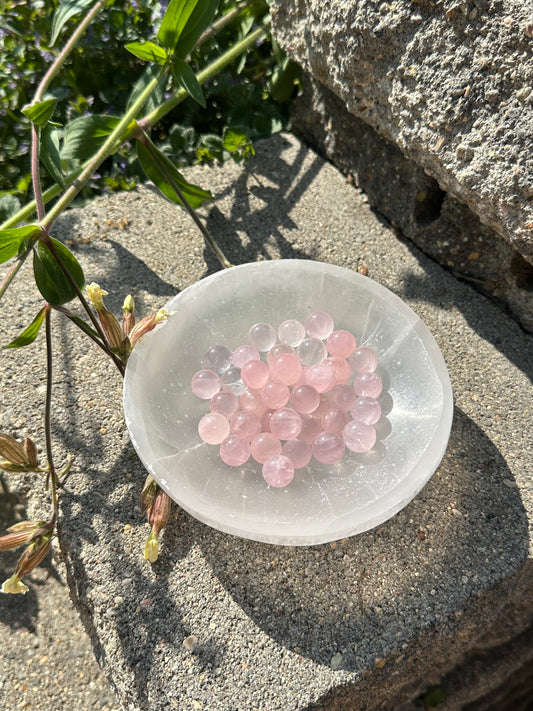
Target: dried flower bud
<point>20,533</point>
<point>159,512</point>
<point>151,549</point>
<point>31,453</point>
<point>11,450</point>
<point>39,545</point>
<point>147,324</point>
<point>128,318</point>
<point>148,494</point>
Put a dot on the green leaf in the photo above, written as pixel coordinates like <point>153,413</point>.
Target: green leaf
<point>41,112</point>
<point>51,282</point>
<point>234,139</point>
<point>50,155</point>
<point>174,22</point>
<point>84,136</point>
<point>185,77</point>
<point>11,239</point>
<point>148,51</point>
<point>29,334</point>
<point>199,21</point>
<point>66,10</point>
<point>164,174</point>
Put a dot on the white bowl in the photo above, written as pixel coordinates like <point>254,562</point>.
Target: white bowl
<point>324,502</point>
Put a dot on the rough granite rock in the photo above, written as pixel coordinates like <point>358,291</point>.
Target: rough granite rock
<point>225,624</point>
<point>449,82</point>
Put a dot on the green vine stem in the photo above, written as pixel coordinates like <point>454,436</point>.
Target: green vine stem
<point>52,476</point>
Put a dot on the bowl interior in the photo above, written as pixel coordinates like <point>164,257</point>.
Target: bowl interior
<point>323,502</point>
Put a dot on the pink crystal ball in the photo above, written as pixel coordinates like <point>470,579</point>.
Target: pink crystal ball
<point>319,324</point>
<point>205,384</point>
<point>286,423</point>
<point>234,451</point>
<point>278,471</point>
<point>213,428</point>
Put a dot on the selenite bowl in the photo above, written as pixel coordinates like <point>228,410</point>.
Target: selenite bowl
<point>323,502</point>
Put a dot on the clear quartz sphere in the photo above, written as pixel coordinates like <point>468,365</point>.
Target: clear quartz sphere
<point>291,332</point>
<point>262,336</point>
<point>312,351</point>
<point>217,358</point>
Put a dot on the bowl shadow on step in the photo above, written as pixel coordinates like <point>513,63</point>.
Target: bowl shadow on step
<point>355,596</point>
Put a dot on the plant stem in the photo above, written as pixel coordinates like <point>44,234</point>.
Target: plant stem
<point>67,49</point>
<point>52,477</point>
<point>105,151</point>
<point>35,172</point>
<point>208,73</point>
<point>192,213</point>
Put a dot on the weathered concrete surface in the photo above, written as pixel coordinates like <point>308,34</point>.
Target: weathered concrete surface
<point>449,82</point>
<point>400,190</point>
<point>367,623</point>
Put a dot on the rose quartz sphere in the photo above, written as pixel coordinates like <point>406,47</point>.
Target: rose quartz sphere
<point>278,471</point>
<point>368,384</point>
<point>342,397</point>
<point>341,369</point>
<point>321,377</point>
<point>333,420</point>
<point>363,359</point>
<point>264,445</point>
<point>366,409</point>
<point>245,425</point>
<point>286,423</point>
<point>255,374</point>
<point>305,399</point>
<point>234,451</point>
<point>277,350</point>
<point>286,368</point>
<point>311,427</point>
<point>328,448</point>
<point>225,403</point>
<point>205,383</point>
<point>341,343</point>
<point>319,324</point>
<point>298,451</point>
<point>358,436</point>
<point>213,428</point>
<point>275,394</point>
<point>250,401</point>
<point>243,354</point>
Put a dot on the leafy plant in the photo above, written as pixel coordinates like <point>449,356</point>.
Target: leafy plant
<point>69,145</point>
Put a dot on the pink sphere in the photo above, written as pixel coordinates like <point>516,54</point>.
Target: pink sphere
<point>250,401</point>
<point>367,384</point>
<point>255,374</point>
<point>319,324</point>
<point>263,446</point>
<point>298,451</point>
<point>341,343</point>
<point>213,428</point>
<point>286,423</point>
<point>262,336</point>
<point>358,436</point>
<point>245,425</point>
<point>243,354</point>
<point>275,394</point>
<point>363,359</point>
<point>265,420</point>
<point>333,421</point>
<point>367,410</point>
<point>305,399</point>
<point>205,383</point>
<point>321,377</point>
<point>234,451</point>
<point>225,403</point>
<point>278,471</point>
<point>312,351</point>
<point>286,368</point>
<point>323,407</point>
<point>311,427</point>
<point>341,397</point>
<point>341,369</point>
<point>291,332</point>
<point>277,350</point>
<point>328,448</point>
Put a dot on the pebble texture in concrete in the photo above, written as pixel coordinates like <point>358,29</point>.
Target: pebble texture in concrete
<point>226,624</point>
<point>451,83</point>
